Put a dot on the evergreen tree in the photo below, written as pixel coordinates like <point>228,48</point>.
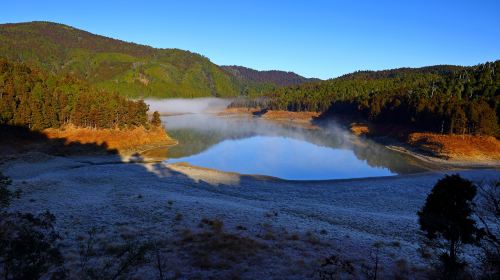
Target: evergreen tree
<point>444,99</point>
<point>155,120</point>
<point>446,218</point>
<point>40,100</point>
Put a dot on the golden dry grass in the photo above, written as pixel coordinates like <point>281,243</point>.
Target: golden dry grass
<point>359,129</point>
<point>238,110</point>
<point>290,116</point>
<point>276,115</point>
<point>119,139</point>
<point>458,147</point>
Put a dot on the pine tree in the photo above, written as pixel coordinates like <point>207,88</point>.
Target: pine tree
<point>155,120</point>
<point>446,218</point>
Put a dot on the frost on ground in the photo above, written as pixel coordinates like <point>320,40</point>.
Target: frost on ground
<point>149,220</point>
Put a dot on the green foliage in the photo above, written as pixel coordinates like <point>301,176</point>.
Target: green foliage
<point>116,66</point>
<point>33,98</point>
<point>446,99</point>
<point>447,215</point>
<point>273,78</point>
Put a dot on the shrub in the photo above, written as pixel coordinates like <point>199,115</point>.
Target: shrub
<point>28,247</point>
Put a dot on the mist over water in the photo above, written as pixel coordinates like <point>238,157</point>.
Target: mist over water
<point>251,145</point>
<point>181,105</point>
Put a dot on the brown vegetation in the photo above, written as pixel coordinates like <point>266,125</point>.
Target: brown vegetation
<point>304,118</point>
<point>279,115</point>
<point>359,129</point>
<point>238,111</point>
<point>455,147</point>
<point>217,249</point>
<point>458,147</point>
<point>123,140</point>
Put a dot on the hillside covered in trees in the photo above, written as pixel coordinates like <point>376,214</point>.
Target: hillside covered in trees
<point>273,77</point>
<point>443,99</point>
<point>131,69</point>
<point>38,100</point>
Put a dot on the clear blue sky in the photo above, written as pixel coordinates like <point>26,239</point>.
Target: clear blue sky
<point>313,38</point>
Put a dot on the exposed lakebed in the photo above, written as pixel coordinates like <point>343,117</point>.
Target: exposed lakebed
<point>249,145</point>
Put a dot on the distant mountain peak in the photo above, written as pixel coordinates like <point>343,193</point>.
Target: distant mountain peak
<point>276,77</point>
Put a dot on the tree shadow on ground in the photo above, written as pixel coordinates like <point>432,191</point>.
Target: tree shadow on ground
<point>122,201</point>
<point>18,139</point>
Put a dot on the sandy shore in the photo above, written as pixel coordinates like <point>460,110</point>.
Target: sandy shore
<point>290,226</point>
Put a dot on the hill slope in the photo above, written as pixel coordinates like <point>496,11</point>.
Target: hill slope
<point>277,78</point>
<point>442,98</point>
<point>114,65</point>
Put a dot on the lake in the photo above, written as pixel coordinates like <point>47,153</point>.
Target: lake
<point>250,145</point>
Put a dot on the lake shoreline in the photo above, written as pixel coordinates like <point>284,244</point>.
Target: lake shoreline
<point>189,208</point>
<point>308,120</point>
<point>69,140</point>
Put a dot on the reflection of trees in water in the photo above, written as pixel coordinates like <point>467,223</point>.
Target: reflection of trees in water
<point>377,155</point>
<point>196,139</point>
<point>374,154</point>
<point>192,142</point>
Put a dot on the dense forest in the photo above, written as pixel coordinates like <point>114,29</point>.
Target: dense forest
<point>444,99</point>
<point>36,99</point>
<point>273,77</point>
<point>131,69</point>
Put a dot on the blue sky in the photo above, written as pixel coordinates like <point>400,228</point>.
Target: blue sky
<point>313,38</point>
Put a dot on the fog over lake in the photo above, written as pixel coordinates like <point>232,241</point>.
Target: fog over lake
<point>251,145</point>
<point>182,105</point>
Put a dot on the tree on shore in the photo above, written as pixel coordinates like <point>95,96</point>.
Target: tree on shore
<point>155,120</point>
<point>446,220</point>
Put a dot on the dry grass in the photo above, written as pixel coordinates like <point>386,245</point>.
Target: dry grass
<point>359,129</point>
<point>238,111</point>
<point>451,147</point>
<point>220,250</point>
<point>216,249</point>
<point>119,139</point>
<point>458,147</point>
<point>290,116</point>
<point>274,115</point>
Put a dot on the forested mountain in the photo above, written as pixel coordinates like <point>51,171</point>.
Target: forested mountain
<point>274,77</point>
<point>37,99</point>
<point>113,65</point>
<point>445,99</point>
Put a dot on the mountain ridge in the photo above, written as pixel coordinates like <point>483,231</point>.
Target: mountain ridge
<point>115,65</point>
<point>276,77</point>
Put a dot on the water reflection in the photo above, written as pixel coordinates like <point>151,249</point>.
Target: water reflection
<point>255,146</point>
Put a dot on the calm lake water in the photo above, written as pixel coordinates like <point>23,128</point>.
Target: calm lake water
<point>256,146</point>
